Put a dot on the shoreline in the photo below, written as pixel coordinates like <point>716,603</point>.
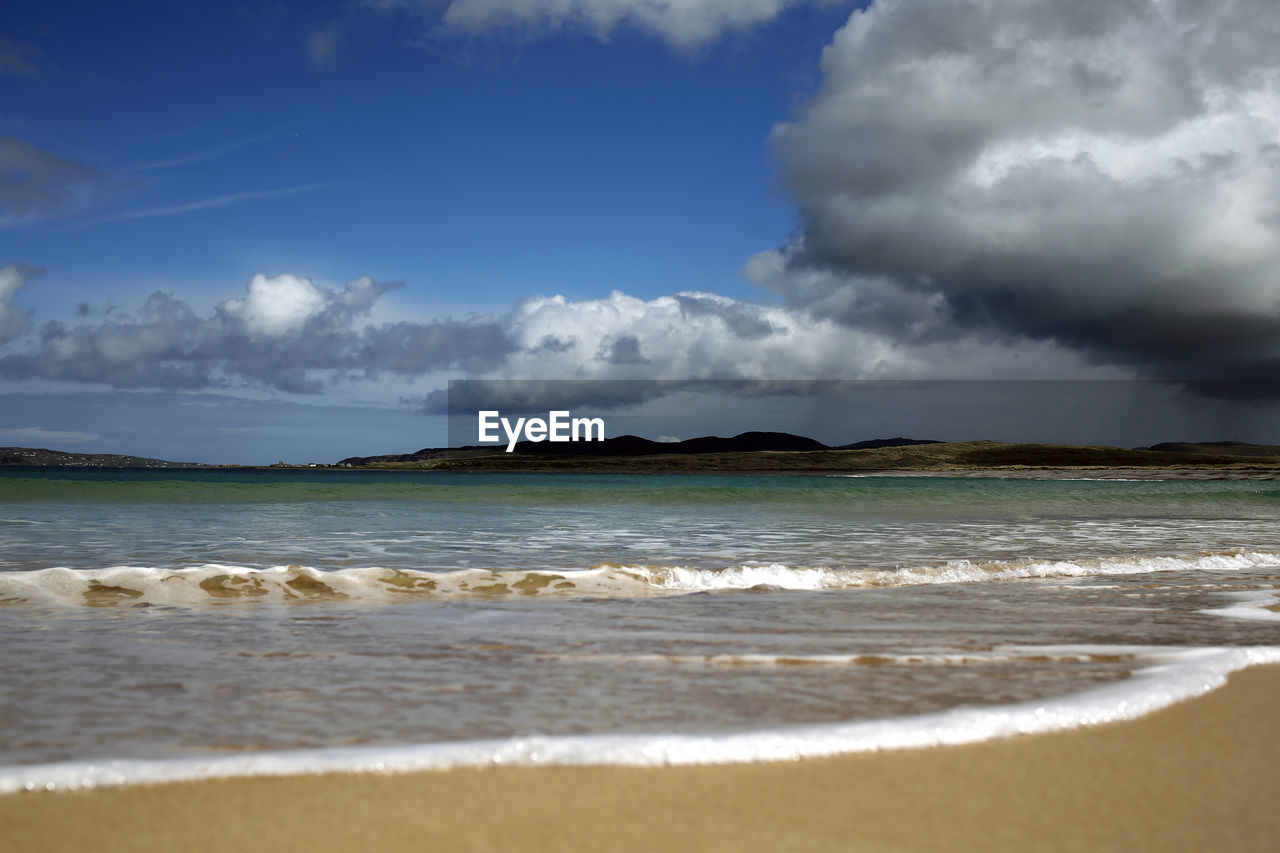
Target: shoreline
<point>1199,774</point>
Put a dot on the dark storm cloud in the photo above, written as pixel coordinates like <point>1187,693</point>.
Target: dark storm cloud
<point>36,184</point>
<point>531,396</point>
<point>1101,175</point>
<point>286,333</point>
<point>1110,412</point>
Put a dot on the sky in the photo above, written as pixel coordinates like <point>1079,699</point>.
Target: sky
<point>237,233</point>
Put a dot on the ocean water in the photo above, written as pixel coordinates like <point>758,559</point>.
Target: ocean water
<point>185,624</point>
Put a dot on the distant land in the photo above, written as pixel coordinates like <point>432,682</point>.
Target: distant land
<point>634,445</point>
<point>39,457</point>
<point>774,452</point>
<point>759,452</point>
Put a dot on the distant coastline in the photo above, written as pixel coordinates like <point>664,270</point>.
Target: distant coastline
<point>40,457</point>
<point>965,458</point>
<point>771,453</point>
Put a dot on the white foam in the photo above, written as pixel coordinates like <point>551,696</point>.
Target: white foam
<point>1184,674</point>
<point>1107,479</point>
<point>991,474</point>
<point>996,655</point>
<point>1250,605</point>
<point>220,584</point>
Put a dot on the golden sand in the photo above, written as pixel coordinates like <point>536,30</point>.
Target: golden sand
<point>1202,775</point>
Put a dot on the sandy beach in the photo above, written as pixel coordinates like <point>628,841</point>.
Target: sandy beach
<point>1196,776</point>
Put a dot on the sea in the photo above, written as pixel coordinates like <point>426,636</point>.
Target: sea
<point>186,624</point>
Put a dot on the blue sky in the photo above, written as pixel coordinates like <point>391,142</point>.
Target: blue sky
<point>341,206</point>
<point>459,165</point>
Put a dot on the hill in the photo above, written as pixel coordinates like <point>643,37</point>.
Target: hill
<point>1217,448</point>
<point>934,457</point>
<point>38,457</point>
<point>634,445</point>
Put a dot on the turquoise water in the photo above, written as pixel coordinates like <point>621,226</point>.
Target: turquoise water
<point>176,615</point>
<point>436,521</point>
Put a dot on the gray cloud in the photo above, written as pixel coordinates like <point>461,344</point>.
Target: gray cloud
<point>18,59</point>
<point>877,304</point>
<point>36,184</point>
<point>623,350</point>
<point>691,336</point>
<point>1102,175</point>
<point>289,334</point>
<point>743,320</point>
<point>322,46</point>
<point>286,333</point>
<point>14,323</point>
<point>526,396</point>
<point>684,25</point>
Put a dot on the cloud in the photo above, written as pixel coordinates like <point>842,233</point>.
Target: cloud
<point>623,350</point>
<point>322,46</point>
<point>871,303</point>
<point>206,154</point>
<point>14,323</point>
<point>696,336</point>
<point>276,306</point>
<point>37,184</point>
<point>290,334</point>
<point>286,333</point>
<point>683,24</point>
<point>1101,175</point>
<point>208,203</point>
<point>686,336</point>
<point>40,436</point>
<point>18,59</point>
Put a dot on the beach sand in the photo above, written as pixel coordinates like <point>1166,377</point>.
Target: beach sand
<point>1201,775</point>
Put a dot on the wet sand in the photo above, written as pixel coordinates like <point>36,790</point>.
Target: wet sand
<point>1201,775</point>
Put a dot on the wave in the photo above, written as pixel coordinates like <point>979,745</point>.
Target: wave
<point>221,584</point>
<point>1256,606</point>
<point>1179,675</point>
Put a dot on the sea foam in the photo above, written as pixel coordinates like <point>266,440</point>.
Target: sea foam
<point>1175,676</point>
<point>222,584</point>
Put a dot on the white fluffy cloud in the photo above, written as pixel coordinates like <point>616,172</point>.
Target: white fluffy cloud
<point>278,306</point>
<point>291,334</point>
<point>685,336</point>
<point>1106,175</point>
<point>705,336</point>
